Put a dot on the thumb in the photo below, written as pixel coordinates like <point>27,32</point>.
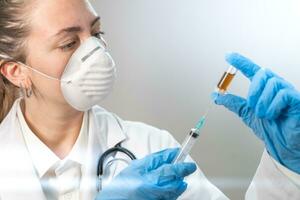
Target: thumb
<point>155,160</point>
<point>235,104</point>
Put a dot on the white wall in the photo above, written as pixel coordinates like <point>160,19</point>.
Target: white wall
<point>170,54</point>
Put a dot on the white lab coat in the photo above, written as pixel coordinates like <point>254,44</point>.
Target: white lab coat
<point>19,181</point>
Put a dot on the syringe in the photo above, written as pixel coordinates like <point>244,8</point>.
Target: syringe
<point>192,137</point>
<point>189,141</point>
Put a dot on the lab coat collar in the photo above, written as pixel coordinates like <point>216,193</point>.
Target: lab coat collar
<point>42,157</point>
<point>19,180</point>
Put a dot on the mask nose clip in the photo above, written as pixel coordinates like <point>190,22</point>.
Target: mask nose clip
<point>90,54</point>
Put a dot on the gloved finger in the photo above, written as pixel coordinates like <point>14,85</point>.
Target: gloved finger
<point>286,102</point>
<point>273,85</point>
<point>174,190</point>
<point>163,175</point>
<point>184,169</point>
<point>172,172</point>
<point>181,189</point>
<point>171,191</point>
<point>257,86</point>
<point>155,160</point>
<point>245,65</point>
<point>238,105</point>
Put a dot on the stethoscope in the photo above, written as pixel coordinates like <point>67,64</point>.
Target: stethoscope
<point>104,156</point>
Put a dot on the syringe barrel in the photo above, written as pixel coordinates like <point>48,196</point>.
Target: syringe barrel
<point>186,146</point>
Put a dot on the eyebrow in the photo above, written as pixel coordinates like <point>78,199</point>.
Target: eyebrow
<point>97,19</point>
<point>76,28</point>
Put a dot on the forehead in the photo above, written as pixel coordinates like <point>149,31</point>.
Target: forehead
<point>50,16</point>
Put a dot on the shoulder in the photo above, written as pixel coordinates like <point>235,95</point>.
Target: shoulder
<point>104,117</point>
<point>144,139</point>
<point>131,128</point>
<point>139,135</point>
<point>143,130</point>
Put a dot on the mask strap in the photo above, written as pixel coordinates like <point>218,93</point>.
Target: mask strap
<point>41,73</point>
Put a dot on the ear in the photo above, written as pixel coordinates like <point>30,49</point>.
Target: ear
<point>14,72</point>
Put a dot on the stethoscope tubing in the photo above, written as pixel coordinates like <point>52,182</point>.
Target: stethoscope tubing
<point>117,148</point>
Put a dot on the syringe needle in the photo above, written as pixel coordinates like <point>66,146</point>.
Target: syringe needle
<point>191,138</point>
<point>208,110</point>
<point>195,132</point>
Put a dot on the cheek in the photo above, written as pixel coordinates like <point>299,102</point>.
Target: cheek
<point>46,59</point>
<point>54,65</point>
<point>51,64</point>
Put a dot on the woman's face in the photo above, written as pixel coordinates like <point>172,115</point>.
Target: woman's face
<point>58,27</point>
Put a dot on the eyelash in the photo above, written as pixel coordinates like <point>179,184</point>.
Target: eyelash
<point>70,45</point>
<point>99,34</point>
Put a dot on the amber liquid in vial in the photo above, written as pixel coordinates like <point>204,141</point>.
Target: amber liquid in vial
<point>225,82</point>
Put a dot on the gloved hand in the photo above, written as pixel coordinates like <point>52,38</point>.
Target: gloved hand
<point>151,178</point>
<point>271,110</point>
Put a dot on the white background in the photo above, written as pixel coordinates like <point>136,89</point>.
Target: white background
<point>170,55</point>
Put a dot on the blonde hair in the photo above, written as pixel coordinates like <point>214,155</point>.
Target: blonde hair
<point>14,29</point>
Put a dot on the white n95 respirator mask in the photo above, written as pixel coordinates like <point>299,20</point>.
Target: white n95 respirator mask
<point>88,76</point>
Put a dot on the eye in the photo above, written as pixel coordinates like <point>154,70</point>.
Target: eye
<point>99,34</point>
<point>68,46</point>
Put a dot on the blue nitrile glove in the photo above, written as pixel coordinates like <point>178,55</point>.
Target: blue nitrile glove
<point>150,178</point>
<point>271,110</point>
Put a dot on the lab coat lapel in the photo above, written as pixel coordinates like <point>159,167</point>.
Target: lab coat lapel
<point>96,145</point>
<point>115,135</point>
<point>115,132</point>
<point>105,131</point>
<point>18,179</point>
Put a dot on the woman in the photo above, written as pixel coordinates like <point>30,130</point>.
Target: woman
<point>52,136</point>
